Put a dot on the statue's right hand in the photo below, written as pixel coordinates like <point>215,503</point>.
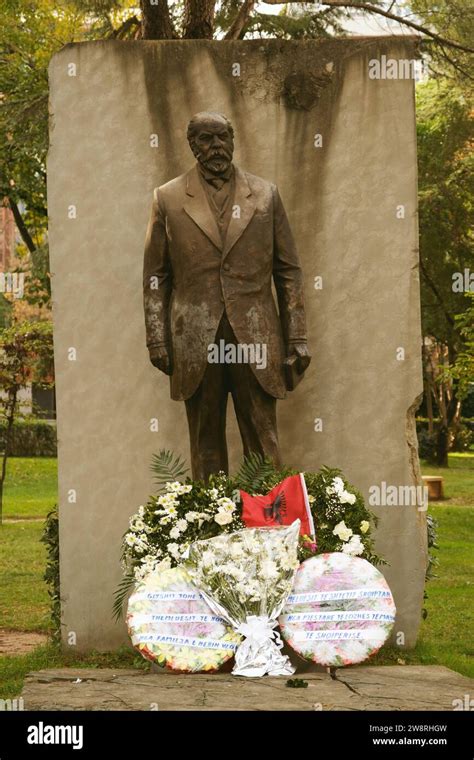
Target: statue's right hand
<point>160,357</point>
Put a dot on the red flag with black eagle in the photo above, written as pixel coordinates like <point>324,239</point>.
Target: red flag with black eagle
<point>286,502</point>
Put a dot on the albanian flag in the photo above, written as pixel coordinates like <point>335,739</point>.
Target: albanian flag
<point>286,502</point>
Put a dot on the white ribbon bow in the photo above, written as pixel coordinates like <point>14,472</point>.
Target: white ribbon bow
<point>259,628</point>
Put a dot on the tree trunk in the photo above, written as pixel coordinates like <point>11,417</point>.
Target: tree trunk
<point>429,409</point>
<point>428,386</point>
<point>199,19</point>
<point>443,439</point>
<point>8,438</point>
<point>156,20</point>
<point>442,445</point>
<point>240,21</point>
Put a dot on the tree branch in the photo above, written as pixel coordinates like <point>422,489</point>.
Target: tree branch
<point>437,294</point>
<point>22,228</point>
<point>442,52</point>
<point>124,28</point>
<point>240,20</point>
<point>375,9</point>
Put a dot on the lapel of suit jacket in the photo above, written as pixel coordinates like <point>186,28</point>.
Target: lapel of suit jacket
<point>197,207</point>
<point>245,203</point>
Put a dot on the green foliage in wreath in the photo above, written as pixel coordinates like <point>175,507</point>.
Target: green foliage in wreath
<point>183,511</point>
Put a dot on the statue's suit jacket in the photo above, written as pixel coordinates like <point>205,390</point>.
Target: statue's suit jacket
<point>190,277</point>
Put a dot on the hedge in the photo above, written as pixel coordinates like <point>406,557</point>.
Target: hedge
<point>50,538</point>
<point>31,438</point>
<point>463,441</point>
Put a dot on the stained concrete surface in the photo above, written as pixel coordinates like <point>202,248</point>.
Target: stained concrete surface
<point>397,687</point>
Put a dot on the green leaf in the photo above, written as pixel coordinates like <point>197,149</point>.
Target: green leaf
<point>297,683</point>
<point>121,594</point>
<point>167,467</point>
<point>254,471</point>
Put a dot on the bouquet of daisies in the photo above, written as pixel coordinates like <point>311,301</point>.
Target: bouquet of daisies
<point>246,578</point>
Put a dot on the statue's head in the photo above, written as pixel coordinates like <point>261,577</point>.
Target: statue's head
<point>211,139</point>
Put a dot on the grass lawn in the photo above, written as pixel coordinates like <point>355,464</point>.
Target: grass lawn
<point>458,479</point>
<point>30,487</point>
<point>445,636</point>
<point>446,633</point>
<point>24,601</point>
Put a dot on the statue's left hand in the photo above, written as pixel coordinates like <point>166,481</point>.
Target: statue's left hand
<point>304,357</point>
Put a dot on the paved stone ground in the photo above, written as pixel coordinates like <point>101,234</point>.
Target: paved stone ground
<point>411,687</point>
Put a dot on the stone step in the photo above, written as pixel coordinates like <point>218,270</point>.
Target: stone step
<point>391,687</point>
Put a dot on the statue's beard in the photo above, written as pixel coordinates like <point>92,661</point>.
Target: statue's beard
<point>217,163</point>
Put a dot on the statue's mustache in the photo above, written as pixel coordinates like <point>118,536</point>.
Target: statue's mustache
<point>220,154</point>
<point>216,153</point>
